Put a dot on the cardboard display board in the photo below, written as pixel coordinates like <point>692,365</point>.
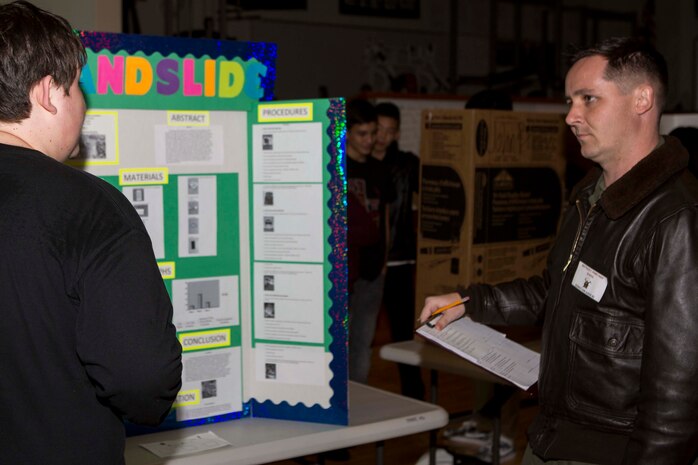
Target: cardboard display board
<point>243,199</point>
<point>492,186</point>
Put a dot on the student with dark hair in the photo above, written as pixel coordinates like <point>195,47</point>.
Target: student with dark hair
<point>86,338</point>
<point>619,361</point>
<point>398,290</point>
<point>368,195</point>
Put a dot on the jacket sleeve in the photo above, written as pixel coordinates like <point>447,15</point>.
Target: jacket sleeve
<point>666,430</point>
<point>125,336</point>
<point>518,302</point>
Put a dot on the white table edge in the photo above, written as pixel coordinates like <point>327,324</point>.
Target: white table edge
<point>327,437</point>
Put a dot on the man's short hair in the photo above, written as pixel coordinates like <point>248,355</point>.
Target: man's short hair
<point>630,61</point>
<point>360,111</point>
<point>34,43</point>
<point>389,110</point>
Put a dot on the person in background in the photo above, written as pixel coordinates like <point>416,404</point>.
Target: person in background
<point>619,361</point>
<point>368,195</point>
<point>86,339</point>
<point>398,290</point>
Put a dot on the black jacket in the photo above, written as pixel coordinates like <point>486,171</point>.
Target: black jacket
<point>86,338</point>
<point>403,169</point>
<point>619,376</point>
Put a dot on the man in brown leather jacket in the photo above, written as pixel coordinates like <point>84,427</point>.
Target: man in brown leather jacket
<point>619,365</point>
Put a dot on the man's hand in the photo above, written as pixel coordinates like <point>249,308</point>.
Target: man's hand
<point>433,303</point>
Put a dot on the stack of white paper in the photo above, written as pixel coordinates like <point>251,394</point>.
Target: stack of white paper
<point>488,349</point>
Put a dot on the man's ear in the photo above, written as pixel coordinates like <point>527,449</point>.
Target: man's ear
<point>644,98</point>
<point>42,93</point>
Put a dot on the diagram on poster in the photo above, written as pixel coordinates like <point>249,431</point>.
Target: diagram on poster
<point>205,302</point>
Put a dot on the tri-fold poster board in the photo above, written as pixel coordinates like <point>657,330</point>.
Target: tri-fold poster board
<point>244,201</point>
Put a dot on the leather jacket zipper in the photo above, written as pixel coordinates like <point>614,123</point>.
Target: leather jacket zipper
<point>580,228</point>
<point>579,232</point>
<point>583,220</point>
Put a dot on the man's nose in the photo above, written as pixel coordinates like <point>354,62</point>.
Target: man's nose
<point>572,116</point>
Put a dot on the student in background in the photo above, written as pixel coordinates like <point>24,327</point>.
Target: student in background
<point>398,290</point>
<point>86,338</point>
<point>368,195</point>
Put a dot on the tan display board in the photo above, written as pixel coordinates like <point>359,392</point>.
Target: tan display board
<point>491,193</point>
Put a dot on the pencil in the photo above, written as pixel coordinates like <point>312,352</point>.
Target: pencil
<point>438,311</point>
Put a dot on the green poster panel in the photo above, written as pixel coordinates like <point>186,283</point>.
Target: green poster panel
<point>251,244</point>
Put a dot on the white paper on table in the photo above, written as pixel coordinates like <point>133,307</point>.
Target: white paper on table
<point>488,349</point>
<point>188,445</point>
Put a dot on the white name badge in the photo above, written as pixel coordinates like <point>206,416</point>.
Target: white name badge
<point>589,282</point>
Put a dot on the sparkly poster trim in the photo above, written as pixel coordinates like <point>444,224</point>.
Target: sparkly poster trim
<point>338,256</point>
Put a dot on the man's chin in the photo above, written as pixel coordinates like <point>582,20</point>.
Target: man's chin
<point>588,154</point>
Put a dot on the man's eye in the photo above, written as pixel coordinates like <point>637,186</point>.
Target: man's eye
<point>589,98</point>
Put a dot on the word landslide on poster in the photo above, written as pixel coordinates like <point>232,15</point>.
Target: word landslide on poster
<point>140,75</point>
<point>234,196</point>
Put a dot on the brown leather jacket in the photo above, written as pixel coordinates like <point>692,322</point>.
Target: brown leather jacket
<point>619,306</point>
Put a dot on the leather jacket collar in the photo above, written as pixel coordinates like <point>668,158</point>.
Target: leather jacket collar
<point>651,172</point>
